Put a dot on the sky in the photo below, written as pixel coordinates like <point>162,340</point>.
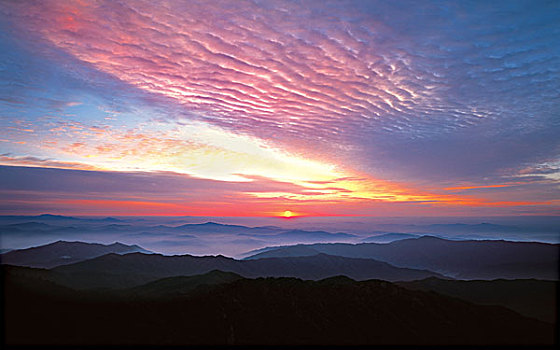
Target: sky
<point>255,108</point>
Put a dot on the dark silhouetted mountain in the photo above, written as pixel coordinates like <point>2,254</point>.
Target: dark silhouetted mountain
<point>389,237</point>
<point>458,259</point>
<point>120,271</point>
<point>294,250</point>
<point>266,249</point>
<point>183,284</point>
<point>21,277</point>
<point>62,253</point>
<point>532,298</point>
<point>322,265</point>
<point>284,252</point>
<point>27,272</point>
<point>264,311</point>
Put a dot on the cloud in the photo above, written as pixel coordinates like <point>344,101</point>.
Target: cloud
<point>289,68</point>
<point>454,92</point>
<point>7,159</point>
<point>78,192</point>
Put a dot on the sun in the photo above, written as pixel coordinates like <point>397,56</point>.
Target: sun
<point>287,214</point>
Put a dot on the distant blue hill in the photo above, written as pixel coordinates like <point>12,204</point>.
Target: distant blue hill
<point>264,232</point>
<point>389,237</point>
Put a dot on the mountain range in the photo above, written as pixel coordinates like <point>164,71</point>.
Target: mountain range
<point>63,253</point>
<point>531,298</point>
<point>322,294</point>
<point>193,238</point>
<point>457,259</point>
<point>221,308</point>
<point>389,237</point>
<point>120,271</point>
<point>56,224</point>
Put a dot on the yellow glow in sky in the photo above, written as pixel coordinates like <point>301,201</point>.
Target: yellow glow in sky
<point>208,152</point>
<point>287,214</point>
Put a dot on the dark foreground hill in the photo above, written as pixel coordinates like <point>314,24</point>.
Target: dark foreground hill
<point>181,285</point>
<point>271,311</point>
<point>122,271</point>
<point>532,298</point>
<point>457,259</point>
<point>63,253</point>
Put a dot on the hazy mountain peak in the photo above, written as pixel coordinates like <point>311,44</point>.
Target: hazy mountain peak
<point>51,216</point>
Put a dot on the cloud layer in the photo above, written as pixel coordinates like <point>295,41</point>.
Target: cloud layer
<point>442,95</point>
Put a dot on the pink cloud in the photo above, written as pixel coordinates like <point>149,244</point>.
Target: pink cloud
<point>246,64</point>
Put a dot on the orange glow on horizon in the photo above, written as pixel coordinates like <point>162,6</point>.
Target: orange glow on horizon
<point>460,188</point>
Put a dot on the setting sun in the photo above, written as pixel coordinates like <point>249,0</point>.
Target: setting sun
<point>287,214</point>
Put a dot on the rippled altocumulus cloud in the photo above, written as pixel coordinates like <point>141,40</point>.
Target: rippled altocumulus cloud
<point>457,90</point>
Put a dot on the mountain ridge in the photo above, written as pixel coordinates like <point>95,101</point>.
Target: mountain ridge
<point>142,268</point>
<point>64,252</point>
<point>468,259</point>
<point>529,297</point>
<point>262,311</point>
